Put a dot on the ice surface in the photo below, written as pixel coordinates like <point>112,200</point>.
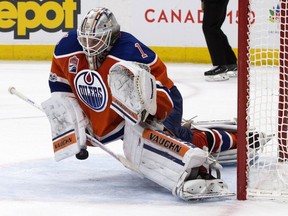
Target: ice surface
<point>32,183</point>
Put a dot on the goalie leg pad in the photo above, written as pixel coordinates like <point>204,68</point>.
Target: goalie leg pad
<point>160,158</point>
<point>68,123</point>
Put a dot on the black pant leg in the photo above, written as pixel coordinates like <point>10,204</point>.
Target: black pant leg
<point>219,48</point>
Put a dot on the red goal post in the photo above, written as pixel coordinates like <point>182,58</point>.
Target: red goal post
<point>262,171</point>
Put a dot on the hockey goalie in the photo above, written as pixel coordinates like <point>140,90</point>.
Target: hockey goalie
<point>157,153</point>
<point>108,85</point>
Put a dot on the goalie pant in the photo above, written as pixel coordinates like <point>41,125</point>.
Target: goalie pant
<point>216,139</point>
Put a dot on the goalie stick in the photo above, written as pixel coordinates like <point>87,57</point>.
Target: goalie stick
<point>118,157</point>
<point>91,139</point>
<point>12,90</point>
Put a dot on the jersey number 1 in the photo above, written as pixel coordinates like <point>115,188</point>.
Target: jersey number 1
<point>144,55</point>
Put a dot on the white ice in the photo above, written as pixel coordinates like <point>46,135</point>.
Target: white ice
<point>33,183</point>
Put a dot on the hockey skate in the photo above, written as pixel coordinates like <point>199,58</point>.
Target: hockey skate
<point>257,140</point>
<point>204,186</point>
<point>232,70</point>
<point>217,73</point>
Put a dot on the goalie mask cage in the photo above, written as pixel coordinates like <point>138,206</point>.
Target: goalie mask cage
<point>262,171</point>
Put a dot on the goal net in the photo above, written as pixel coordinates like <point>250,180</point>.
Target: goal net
<point>263,100</point>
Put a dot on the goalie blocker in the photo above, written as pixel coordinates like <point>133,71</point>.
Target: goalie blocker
<point>68,124</point>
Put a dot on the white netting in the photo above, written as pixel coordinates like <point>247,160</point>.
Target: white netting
<point>267,174</point>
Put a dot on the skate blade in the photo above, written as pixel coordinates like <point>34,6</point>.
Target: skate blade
<point>216,78</point>
<point>210,196</point>
<point>232,73</point>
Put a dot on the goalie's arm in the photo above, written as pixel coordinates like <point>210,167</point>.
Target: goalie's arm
<point>58,81</point>
<point>164,84</point>
<point>164,102</point>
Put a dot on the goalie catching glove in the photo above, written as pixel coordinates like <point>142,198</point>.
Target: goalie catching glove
<point>133,90</point>
<point>68,124</point>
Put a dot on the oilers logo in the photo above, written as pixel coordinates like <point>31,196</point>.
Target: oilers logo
<point>91,89</point>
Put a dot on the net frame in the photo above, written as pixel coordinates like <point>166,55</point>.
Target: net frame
<point>269,166</point>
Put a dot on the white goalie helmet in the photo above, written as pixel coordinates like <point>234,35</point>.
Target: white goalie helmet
<point>98,31</point>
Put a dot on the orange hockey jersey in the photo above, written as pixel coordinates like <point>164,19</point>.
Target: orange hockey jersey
<point>70,74</point>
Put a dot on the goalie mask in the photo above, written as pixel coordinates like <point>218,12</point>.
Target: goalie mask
<point>98,31</point>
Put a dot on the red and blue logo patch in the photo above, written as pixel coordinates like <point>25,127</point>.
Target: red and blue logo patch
<point>91,89</point>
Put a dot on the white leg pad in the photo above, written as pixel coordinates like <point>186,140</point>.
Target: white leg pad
<point>159,157</point>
